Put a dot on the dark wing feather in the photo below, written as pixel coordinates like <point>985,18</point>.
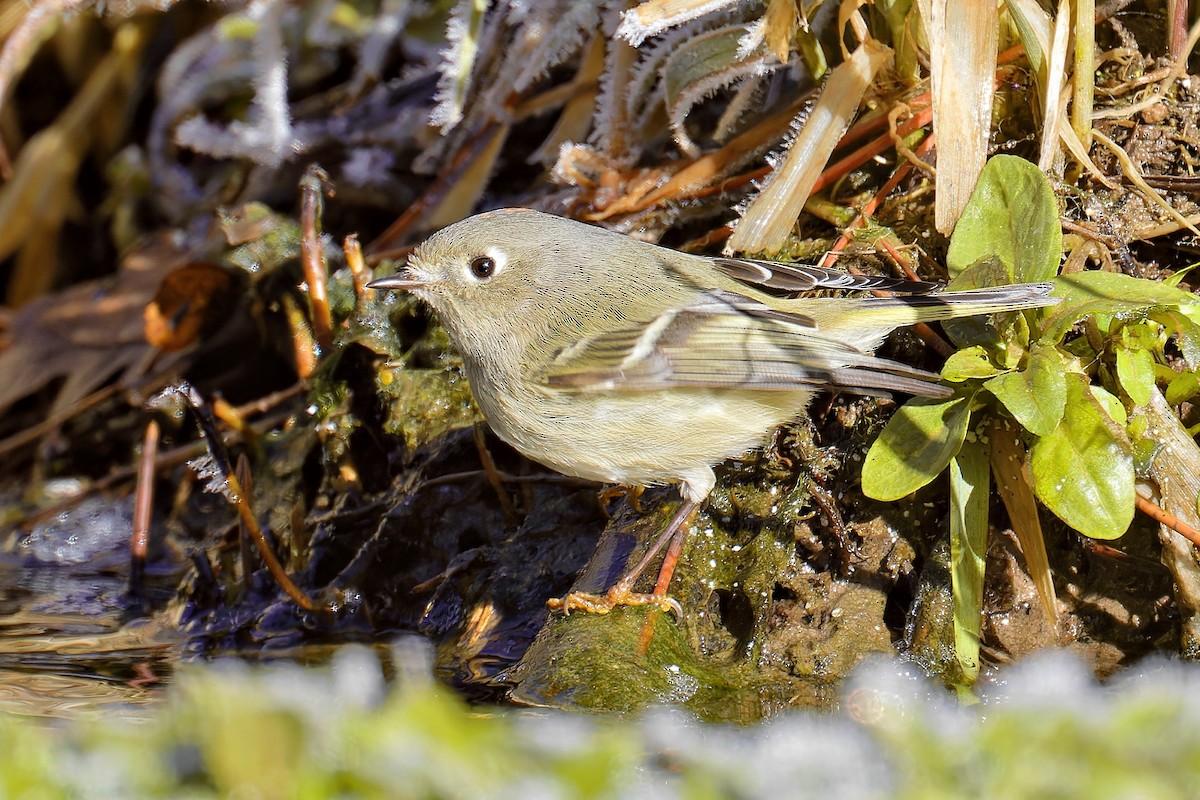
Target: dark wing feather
<point>726,340</point>
<point>805,278</point>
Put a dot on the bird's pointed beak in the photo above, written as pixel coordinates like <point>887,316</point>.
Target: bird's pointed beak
<point>402,281</point>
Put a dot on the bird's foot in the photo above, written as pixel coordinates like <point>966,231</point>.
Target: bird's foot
<point>631,494</point>
<point>618,595</point>
<point>622,594</point>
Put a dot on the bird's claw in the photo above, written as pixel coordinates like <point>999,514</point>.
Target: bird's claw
<point>616,596</point>
<point>631,495</point>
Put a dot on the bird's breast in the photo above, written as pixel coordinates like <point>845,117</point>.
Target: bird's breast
<point>624,436</point>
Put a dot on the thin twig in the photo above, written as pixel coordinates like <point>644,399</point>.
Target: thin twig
<point>493,474</point>
<point>246,478</point>
<point>313,185</point>
<point>238,495</point>
<point>143,509</point>
<point>1164,517</point>
<point>358,268</point>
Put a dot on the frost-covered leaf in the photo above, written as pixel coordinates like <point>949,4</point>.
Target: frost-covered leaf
<point>611,127</point>
<point>266,134</point>
<point>550,34</point>
<point>655,16</point>
<point>697,69</point>
<point>463,32</point>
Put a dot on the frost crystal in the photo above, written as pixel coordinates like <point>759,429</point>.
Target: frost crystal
<point>205,467</point>
<point>267,137</point>
<point>640,23</point>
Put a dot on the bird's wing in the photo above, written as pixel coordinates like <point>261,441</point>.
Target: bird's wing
<point>805,278</point>
<point>726,340</point>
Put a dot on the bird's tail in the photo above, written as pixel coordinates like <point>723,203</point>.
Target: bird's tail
<point>892,312</point>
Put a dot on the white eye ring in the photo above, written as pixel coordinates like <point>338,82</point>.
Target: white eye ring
<point>487,266</point>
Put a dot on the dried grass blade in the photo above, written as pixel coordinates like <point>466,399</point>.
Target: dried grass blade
<point>770,216</point>
<point>1009,466</point>
<point>1083,75</point>
<point>963,35</point>
<point>1175,472</point>
<point>1053,101</point>
<point>1135,177</point>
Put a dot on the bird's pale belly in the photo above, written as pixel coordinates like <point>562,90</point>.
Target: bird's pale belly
<point>637,438</point>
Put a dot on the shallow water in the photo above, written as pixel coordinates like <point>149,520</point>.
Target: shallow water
<point>72,639</point>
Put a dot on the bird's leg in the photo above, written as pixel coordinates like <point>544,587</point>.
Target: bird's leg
<point>621,593</point>
<point>671,559</point>
<point>665,573</point>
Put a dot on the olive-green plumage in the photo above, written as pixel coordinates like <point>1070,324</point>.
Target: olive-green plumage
<point>619,361</point>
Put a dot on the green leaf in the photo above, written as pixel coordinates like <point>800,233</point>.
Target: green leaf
<point>1013,216</point>
<point>1182,389</point>
<point>1033,28</point>
<point>967,332</point>
<point>970,363</point>
<point>986,272</point>
<point>1036,395</point>
<point>972,331</point>
<point>701,64</point>
<point>1083,470</point>
<point>1111,405</point>
<point>1135,370</point>
<point>1099,292</point>
<point>1178,275</point>
<point>970,477</point>
<point>914,448</point>
<point>1126,292</point>
<point>1145,447</point>
<point>1186,331</point>
<point>999,334</point>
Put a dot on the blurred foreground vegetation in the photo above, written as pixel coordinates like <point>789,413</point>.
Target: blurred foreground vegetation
<point>283,731</point>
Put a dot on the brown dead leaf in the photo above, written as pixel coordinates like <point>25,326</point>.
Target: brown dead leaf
<point>183,304</point>
<point>87,333</point>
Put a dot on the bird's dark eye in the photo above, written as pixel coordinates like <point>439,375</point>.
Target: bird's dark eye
<point>483,267</point>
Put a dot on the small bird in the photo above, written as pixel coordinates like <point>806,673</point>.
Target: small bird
<point>619,361</point>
